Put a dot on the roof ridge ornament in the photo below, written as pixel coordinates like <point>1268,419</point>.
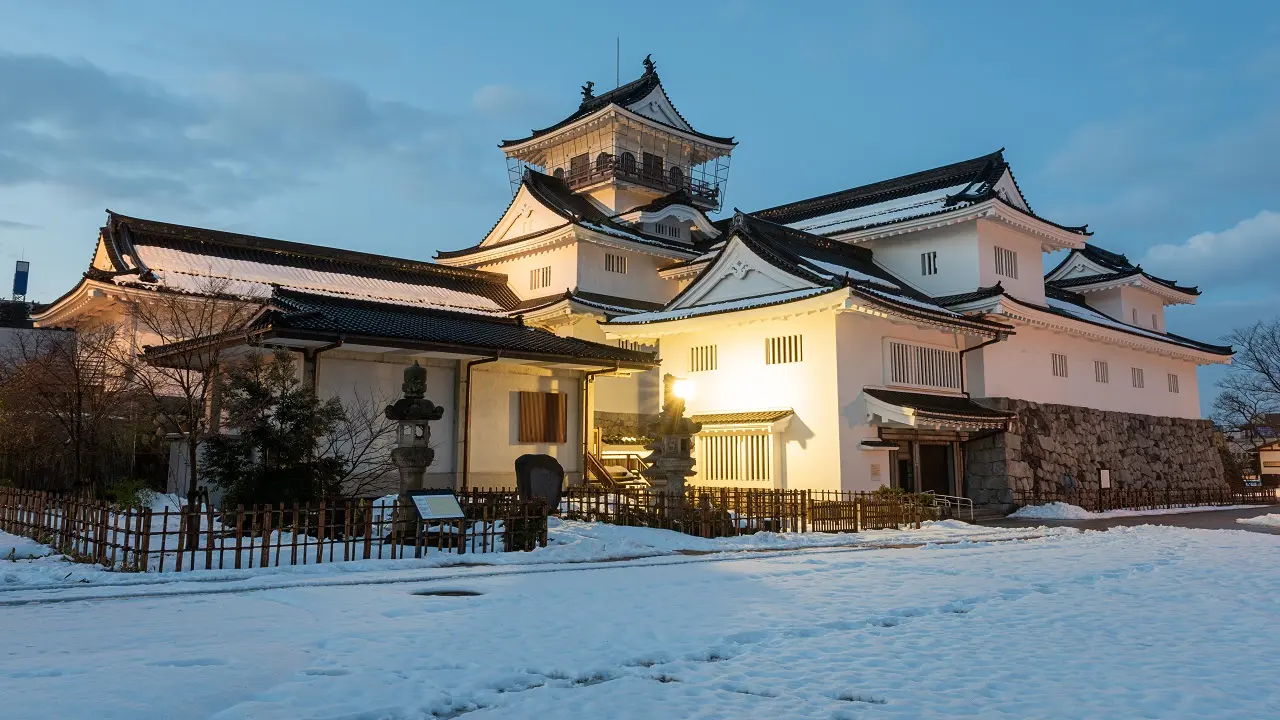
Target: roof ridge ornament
<point>588,92</point>
<point>650,67</point>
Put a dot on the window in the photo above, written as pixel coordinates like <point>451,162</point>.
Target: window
<point>785,349</point>
<point>671,231</point>
<point>740,458</point>
<point>1154,324</point>
<point>1173,383</point>
<point>652,166</point>
<point>1134,313</point>
<point>1059,365</point>
<point>702,358</point>
<point>615,263</point>
<point>578,165</point>
<point>604,161</point>
<point>923,366</point>
<point>540,278</point>
<point>929,263</point>
<point>1138,381</point>
<point>543,417</point>
<point>628,163</point>
<point>1006,263</point>
<point>559,173</point>
<point>675,176</point>
<point>1100,372</point>
<point>633,345</point>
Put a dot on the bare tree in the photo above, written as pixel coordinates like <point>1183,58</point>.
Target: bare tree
<point>1249,395</point>
<point>363,442</point>
<point>62,398</point>
<point>182,382</point>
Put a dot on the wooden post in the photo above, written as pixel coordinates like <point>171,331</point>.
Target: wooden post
<point>266,536</point>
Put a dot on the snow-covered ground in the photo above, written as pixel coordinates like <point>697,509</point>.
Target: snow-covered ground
<point>1272,520</point>
<point>1066,511</point>
<point>1157,622</point>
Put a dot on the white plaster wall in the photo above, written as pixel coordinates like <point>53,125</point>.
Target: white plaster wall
<point>368,378</point>
<point>1021,368</point>
<point>640,282</point>
<point>563,260</point>
<point>860,341</point>
<point>1146,304</point>
<point>744,382</point>
<point>495,422</point>
<point>1029,285</point>
<point>957,248</point>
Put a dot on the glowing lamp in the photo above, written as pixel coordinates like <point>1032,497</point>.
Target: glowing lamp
<point>683,389</point>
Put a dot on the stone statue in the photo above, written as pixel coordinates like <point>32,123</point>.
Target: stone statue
<point>413,452</point>
<point>672,458</point>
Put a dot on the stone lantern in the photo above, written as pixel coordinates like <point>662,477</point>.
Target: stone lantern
<point>413,451</point>
<point>672,458</point>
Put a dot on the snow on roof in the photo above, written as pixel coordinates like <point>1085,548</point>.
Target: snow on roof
<point>1098,318</point>
<point>722,307</point>
<point>837,271</point>
<point>903,208</point>
<point>190,272</point>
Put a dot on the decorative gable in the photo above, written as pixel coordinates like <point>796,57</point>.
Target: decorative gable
<point>1007,189</point>
<point>657,106</point>
<point>527,215</point>
<point>736,274</point>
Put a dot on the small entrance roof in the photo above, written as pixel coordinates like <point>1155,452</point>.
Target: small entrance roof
<point>914,409</point>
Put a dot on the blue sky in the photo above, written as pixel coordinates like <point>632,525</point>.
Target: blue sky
<point>373,125</point>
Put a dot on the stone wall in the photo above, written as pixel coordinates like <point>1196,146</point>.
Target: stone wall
<point>1052,447</point>
<point>616,424</point>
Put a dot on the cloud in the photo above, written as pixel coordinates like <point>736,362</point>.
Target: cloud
<point>15,225</point>
<point>1246,253</point>
<point>228,142</point>
<point>503,100</point>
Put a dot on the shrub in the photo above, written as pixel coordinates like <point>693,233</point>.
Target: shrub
<point>130,493</point>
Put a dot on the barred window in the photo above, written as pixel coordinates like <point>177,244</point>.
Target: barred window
<point>1138,380</point>
<point>785,349</point>
<point>671,231</point>
<point>702,358</point>
<point>1100,372</point>
<point>923,366</point>
<point>615,263</point>
<point>540,278</point>
<point>1173,383</point>
<point>1154,325</point>
<point>1006,263</point>
<point>1059,365</point>
<point>929,263</point>
<point>735,458</point>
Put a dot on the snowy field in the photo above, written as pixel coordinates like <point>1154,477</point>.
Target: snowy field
<point>1145,622</point>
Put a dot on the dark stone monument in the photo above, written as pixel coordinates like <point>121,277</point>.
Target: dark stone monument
<point>540,476</point>
<point>671,459</point>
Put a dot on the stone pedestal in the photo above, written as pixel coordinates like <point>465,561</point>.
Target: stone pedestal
<point>671,459</point>
<point>413,412</point>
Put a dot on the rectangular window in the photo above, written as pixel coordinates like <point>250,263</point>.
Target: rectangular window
<point>1101,372</point>
<point>929,263</point>
<point>633,345</point>
<point>1173,383</point>
<point>702,358</point>
<point>1059,365</point>
<point>671,231</point>
<point>540,278</point>
<point>652,166</point>
<point>615,263</point>
<point>735,458</point>
<point>785,349</point>
<point>543,417</point>
<point>1134,314</point>
<point>578,167</point>
<point>1006,263</point>
<point>923,366</point>
<point>1138,380</point>
<point>1154,325</point>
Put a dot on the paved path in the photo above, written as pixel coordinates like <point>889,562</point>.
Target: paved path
<point>1208,520</point>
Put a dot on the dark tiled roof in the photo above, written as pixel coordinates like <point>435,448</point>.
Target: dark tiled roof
<point>940,407</point>
<point>1120,268</point>
<point>558,197</point>
<point>960,298</point>
<point>123,232</point>
<point>679,197</point>
<point>588,298</point>
<point>978,176</point>
<point>737,418</point>
<point>878,443</point>
<point>623,96</point>
<point>294,313</point>
<point>1076,299</point>
<point>980,170</point>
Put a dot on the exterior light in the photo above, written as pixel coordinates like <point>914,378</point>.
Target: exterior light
<point>683,389</point>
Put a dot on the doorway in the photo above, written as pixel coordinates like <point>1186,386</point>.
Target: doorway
<point>935,469</point>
